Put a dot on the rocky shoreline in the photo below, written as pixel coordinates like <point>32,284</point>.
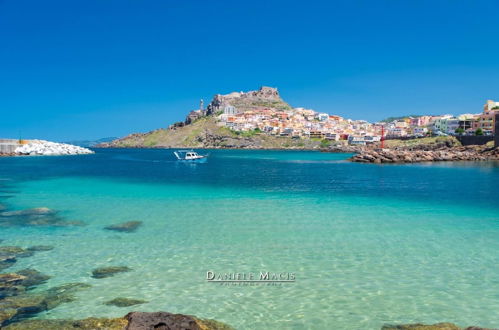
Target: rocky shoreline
<point>403,155</point>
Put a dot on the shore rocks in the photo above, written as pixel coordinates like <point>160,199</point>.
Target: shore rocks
<point>468,153</point>
<point>104,272</point>
<point>437,326</point>
<point>124,302</point>
<point>86,324</point>
<point>126,227</point>
<point>418,326</point>
<point>131,321</point>
<point>45,148</point>
<point>164,320</point>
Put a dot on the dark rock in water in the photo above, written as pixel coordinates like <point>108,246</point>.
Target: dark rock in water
<point>41,216</point>
<point>15,308</point>
<point>40,248</point>
<point>418,326</point>
<point>124,302</point>
<point>86,324</point>
<point>14,284</point>
<point>35,211</point>
<point>126,227</point>
<point>11,285</point>
<point>14,251</point>
<point>6,262</point>
<point>9,255</point>
<point>103,272</point>
<point>11,278</point>
<point>33,277</point>
<point>164,320</point>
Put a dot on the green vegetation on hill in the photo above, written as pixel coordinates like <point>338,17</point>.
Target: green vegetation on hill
<point>428,141</point>
<point>205,133</point>
<point>390,119</point>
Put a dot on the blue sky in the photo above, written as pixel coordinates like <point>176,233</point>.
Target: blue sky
<point>90,69</point>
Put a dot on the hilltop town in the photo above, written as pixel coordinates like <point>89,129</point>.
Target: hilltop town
<point>261,119</point>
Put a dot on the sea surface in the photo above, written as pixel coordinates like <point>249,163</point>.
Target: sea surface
<point>368,244</point>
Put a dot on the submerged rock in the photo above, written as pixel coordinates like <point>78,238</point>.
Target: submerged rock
<point>124,302</point>
<point>24,305</point>
<point>103,272</point>
<point>126,227</point>
<point>14,251</point>
<point>418,326</point>
<point>34,211</point>
<point>41,216</point>
<point>32,277</point>
<point>39,248</point>
<point>13,284</point>
<point>9,255</point>
<point>6,262</point>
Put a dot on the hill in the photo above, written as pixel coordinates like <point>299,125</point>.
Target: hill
<point>90,143</point>
<point>201,129</point>
<point>205,133</point>
<point>390,119</point>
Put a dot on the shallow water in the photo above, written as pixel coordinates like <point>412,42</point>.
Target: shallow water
<point>369,244</point>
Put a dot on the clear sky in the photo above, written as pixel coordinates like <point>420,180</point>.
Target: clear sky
<point>98,68</point>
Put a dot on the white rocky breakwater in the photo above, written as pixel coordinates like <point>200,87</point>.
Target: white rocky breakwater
<point>45,148</point>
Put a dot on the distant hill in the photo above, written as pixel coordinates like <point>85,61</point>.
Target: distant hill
<point>201,130</point>
<point>90,143</point>
<point>390,119</point>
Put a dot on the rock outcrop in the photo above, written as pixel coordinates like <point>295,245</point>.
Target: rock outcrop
<point>131,321</point>
<point>244,101</point>
<point>437,326</point>
<point>468,153</point>
<point>165,320</point>
<point>47,148</point>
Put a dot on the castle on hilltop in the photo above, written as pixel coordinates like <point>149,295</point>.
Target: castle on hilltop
<point>239,100</point>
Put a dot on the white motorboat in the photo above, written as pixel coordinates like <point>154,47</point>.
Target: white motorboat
<point>189,155</point>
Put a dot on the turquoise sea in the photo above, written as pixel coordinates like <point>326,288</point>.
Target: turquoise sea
<point>368,244</point>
